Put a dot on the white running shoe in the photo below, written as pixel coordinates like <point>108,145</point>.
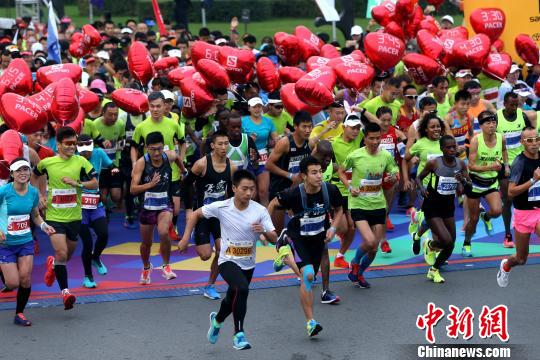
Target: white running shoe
<point>167,272</point>
<point>145,276</point>
<point>502,276</point>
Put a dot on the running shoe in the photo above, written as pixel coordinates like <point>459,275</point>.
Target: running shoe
<point>89,283</point>
<point>313,328</point>
<point>173,235</point>
<point>49,273</point>
<point>283,252</point>
<point>429,255</point>
<point>487,223</point>
<point>240,342</point>
<point>145,276</point>
<point>466,251</point>
<point>503,276</point>
<point>21,320</point>
<point>409,211</point>
<point>341,263</point>
<point>328,297</point>
<point>435,276</point>
<point>353,274</point>
<point>100,267</point>
<point>211,293</point>
<point>389,225</point>
<point>414,223</point>
<point>385,247</point>
<point>213,332</point>
<point>167,273</point>
<point>415,244</point>
<point>508,242</point>
<point>69,299</point>
<point>362,283</point>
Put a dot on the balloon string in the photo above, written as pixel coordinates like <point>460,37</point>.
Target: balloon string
<point>242,99</point>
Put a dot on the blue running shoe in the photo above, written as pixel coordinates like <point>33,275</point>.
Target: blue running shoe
<point>213,332</point>
<point>240,342</point>
<point>100,267</point>
<point>89,283</point>
<point>328,297</point>
<point>211,293</point>
<point>21,320</point>
<point>313,327</point>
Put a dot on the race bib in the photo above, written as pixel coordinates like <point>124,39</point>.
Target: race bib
<point>513,139</point>
<point>370,187</point>
<point>239,250</point>
<point>129,134</point>
<point>534,192</point>
<point>447,185</point>
<point>156,200</point>
<point>18,224</point>
<point>64,198</point>
<point>210,197</point>
<point>310,226</point>
<point>89,201</point>
<point>263,156</point>
<point>391,148</point>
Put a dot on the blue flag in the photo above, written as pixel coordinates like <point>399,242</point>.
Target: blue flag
<point>53,47</point>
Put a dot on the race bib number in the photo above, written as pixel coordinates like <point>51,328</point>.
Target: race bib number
<point>513,139</point>
<point>89,201</point>
<point>64,198</point>
<point>18,224</point>
<point>156,200</point>
<point>447,185</point>
<point>370,187</point>
<point>391,148</point>
<point>534,192</point>
<point>239,250</point>
<point>210,197</point>
<point>310,226</point>
<point>263,156</point>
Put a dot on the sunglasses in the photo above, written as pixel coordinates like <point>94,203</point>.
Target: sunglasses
<point>69,143</point>
<point>532,140</point>
<point>278,106</point>
<point>85,143</point>
<point>411,97</point>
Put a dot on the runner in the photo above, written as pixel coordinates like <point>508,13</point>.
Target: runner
<point>242,222</point>
<point>309,228</point>
<point>445,172</point>
<point>366,199</point>
<point>391,92</point>
<point>212,175</point>
<point>477,104</point>
<point>21,201</point>
<point>524,189</point>
<point>283,162</point>
<point>282,120</point>
<point>152,181</point>
<point>93,212</point>
<point>330,128</point>
<point>67,175</point>
<point>242,149</point>
<point>510,123</point>
<point>487,154</point>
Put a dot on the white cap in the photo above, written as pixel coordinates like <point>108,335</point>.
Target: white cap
<point>523,92</point>
<point>356,30</point>
<point>514,68</point>
<point>255,101</point>
<point>168,95</point>
<point>126,30</point>
<point>464,72</point>
<point>221,41</point>
<point>19,164</point>
<point>36,47</point>
<point>103,55</point>
<point>82,148</point>
<point>175,53</point>
<point>352,120</point>
<point>448,18</point>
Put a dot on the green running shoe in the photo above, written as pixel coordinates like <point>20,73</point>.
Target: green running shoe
<point>429,255</point>
<point>435,276</point>
<point>313,327</point>
<point>487,223</point>
<point>466,251</point>
<point>283,252</point>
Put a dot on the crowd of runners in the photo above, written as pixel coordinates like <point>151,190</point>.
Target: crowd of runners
<point>248,171</point>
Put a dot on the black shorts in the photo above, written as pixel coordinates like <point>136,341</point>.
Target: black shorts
<point>437,207</point>
<point>373,217</point>
<point>175,188</point>
<point>107,180</point>
<point>308,252</point>
<point>478,195</point>
<point>71,229</point>
<point>203,229</point>
<point>345,203</point>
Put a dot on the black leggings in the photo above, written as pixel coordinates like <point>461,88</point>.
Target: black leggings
<point>129,201</point>
<point>102,234</point>
<point>235,301</point>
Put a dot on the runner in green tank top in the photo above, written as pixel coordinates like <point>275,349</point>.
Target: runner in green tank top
<point>487,156</point>
<point>510,122</point>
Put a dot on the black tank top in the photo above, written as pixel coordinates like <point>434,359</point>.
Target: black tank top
<point>289,162</point>
<point>158,197</point>
<point>443,185</point>
<point>213,186</point>
<point>522,171</point>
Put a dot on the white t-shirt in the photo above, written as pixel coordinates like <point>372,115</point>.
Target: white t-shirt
<point>238,241</point>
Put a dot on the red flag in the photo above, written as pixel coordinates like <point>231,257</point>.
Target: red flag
<point>159,18</point>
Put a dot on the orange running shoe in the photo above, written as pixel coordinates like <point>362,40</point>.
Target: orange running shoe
<point>173,235</point>
<point>69,299</point>
<point>389,225</point>
<point>340,262</point>
<point>385,247</point>
<point>49,273</point>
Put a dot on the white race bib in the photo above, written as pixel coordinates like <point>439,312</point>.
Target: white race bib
<point>513,139</point>
<point>18,224</point>
<point>447,185</point>
<point>310,226</point>
<point>89,201</point>
<point>370,187</point>
<point>263,156</point>
<point>239,250</point>
<point>534,192</point>
<point>156,200</point>
<point>64,198</point>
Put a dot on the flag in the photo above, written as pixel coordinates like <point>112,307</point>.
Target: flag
<point>159,18</point>
<point>53,46</point>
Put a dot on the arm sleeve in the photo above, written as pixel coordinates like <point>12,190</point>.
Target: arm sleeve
<point>517,170</point>
<point>39,169</point>
<point>211,210</point>
<point>87,170</point>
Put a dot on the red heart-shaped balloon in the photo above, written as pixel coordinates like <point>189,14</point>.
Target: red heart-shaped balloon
<point>497,66</point>
<point>49,74</point>
<point>435,3</point>
<point>315,88</point>
<point>65,102</point>
<point>527,49</point>
<point>430,45</point>
<point>166,64</point>
<point>316,62</point>
<point>404,9</point>
<point>430,24</point>
<point>140,63</point>
<point>197,100</point>
<point>16,78</point>
<point>78,48</point>
<point>355,74</point>
<point>384,50</point>
<point>213,74</point>
<point>412,25</point>
<point>292,102</point>
<point>489,21</point>
<point>308,43</point>
<point>290,74</point>
<point>356,55</point>
<point>287,48</point>
<point>177,75</point>
<point>472,53</point>
<point>268,75</point>
<point>78,123</point>
<point>12,146</point>
<point>238,63</point>
<point>22,114</point>
<point>383,13</point>
<point>87,99</point>
<point>204,50</point>
<point>131,101</point>
<point>91,36</point>
<point>329,51</point>
<point>44,99</point>
<point>498,44</point>
<point>393,28</point>
<point>457,33</point>
<point>422,68</point>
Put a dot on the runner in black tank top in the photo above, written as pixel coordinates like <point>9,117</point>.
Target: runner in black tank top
<point>283,163</point>
<point>212,175</point>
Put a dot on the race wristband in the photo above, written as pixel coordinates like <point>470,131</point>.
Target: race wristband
<point>532,181</point>
<point>332,228</point>
<point>290,176</point>
<point>43,224</point>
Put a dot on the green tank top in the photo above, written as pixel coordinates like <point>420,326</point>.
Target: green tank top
<point>239,155</point>
<point>443,108</point>
<point>511,131</point>
<point>426,150</point>
<point>327,175</point>
<point>487,155</point>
